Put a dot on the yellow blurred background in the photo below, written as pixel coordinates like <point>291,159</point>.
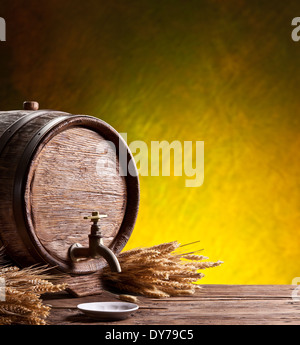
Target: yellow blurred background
<point>222,72</point>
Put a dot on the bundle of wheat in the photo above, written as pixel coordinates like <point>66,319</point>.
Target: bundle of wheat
<point>158,271</point>
<point>22,303</point>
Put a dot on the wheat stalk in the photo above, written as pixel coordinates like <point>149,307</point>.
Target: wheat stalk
<point>23,290</point>
<point>158,271</point>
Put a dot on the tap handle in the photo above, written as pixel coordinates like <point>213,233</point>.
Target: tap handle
<point>95,217</point>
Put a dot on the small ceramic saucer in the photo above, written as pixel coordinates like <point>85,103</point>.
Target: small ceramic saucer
<point>108,310</point>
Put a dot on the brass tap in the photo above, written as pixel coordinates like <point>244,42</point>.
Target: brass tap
<point>95,217</point>
<point>96,247</point>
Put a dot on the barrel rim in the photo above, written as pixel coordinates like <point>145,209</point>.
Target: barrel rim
<point>41,137</point>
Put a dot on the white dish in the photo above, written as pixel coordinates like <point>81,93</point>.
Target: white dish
<point>108,310</point>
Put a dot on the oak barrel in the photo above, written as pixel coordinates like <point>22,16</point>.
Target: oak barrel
<point>56,168</point>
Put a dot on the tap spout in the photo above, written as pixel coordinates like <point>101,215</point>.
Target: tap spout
<point>96,248</point>
<point>110,257</point>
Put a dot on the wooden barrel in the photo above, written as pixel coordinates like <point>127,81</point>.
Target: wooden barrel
<point>56,168</point>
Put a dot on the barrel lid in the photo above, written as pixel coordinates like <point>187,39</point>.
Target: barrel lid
<point>72,172</point>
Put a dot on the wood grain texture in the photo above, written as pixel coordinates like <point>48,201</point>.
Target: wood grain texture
<point>60,185</point>
<point>211,305</point>
<point>9,160</point>
<point>64,186</point>
<point>7,118</point>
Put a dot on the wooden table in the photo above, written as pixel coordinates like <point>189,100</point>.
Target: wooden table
<point>211,305</point>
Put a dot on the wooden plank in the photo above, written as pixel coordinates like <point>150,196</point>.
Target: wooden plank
<point>212,305</point>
